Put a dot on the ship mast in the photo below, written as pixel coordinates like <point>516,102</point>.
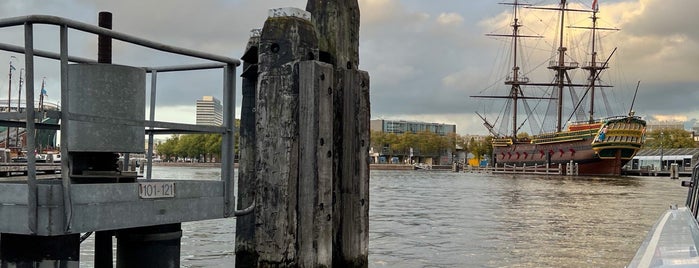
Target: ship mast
<point>561,67</point>
<point>514,80</point>
<point>594,67</point>
<point>514,90</point>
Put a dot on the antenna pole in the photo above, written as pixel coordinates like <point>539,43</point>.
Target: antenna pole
<point>634,98</point>
<point>19,102</point>
<point>9,96</point>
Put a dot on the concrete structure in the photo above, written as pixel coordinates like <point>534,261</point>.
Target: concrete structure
<point>209,111</point>
<point>403,126</point>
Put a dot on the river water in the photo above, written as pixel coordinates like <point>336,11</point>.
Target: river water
<point>445,219</point>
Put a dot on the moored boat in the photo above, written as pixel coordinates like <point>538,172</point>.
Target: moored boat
<point>596,146</point>
<point>673,240</point>
<point>599,148</point>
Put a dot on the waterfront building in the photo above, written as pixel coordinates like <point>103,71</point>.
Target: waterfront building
<point>403,126</point>
<point>662,125</point>
<point>411,155</point>
<point>658,159</point>
<point>209,111</point>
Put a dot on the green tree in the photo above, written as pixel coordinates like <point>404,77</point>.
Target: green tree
<point>203,147</point>
<point>482,147</point>
<point>458,140</point>
<point>434,144</point>
<point>166,149</point>
<point>213,146</point>
<point>392,141</point>
<point>669,138</point>
<point>378,140</point>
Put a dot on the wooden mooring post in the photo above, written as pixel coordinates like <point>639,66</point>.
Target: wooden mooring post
<point>304,141</point>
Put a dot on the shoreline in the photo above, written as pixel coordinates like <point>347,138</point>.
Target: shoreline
<point>371,166</point>
<point>189,164</point>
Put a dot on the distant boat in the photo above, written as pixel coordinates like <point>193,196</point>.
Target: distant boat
<point>418,166</point>
<point>600,146</point>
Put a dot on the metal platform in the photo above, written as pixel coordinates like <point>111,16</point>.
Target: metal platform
<point>80,200</point>
<point>107,206</point>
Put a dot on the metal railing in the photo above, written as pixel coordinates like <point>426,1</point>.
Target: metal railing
<point>153,127</point>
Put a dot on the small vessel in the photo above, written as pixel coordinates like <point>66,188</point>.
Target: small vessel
<point>673,240</point>
<point>597,145</point>
<point>419,166</point>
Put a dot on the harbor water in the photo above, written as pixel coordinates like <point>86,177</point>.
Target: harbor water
<point>445,219</point>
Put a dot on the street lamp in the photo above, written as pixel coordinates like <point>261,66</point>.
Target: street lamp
<point>661,150</point>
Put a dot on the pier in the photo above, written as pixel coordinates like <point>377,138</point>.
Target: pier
<point>568,169</point>
<point>103,111</point>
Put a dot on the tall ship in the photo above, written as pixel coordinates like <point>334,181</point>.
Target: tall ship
<point>596,145</point>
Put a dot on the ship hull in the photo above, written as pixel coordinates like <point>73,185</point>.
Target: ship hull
<point>594,153</point>
<point>579,152</point>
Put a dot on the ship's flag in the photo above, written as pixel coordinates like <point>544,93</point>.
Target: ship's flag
<point>595,5</point>
<point>43,92</point>
<point>12,67</point>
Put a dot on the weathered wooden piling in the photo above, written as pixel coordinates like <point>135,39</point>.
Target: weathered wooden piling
<point>315,197</point>
<point>337,23</point>
<point>284,42</point>
<point>310,135</point>
<point>245,225</point>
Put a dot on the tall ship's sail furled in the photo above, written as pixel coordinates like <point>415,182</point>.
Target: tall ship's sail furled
<point>598,145</point>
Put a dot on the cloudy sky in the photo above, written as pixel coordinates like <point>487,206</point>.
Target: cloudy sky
<point>425,58</point>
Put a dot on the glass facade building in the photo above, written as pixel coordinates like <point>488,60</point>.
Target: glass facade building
<point>402,126</point>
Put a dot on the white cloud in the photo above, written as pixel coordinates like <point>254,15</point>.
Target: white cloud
<point>449,19</point>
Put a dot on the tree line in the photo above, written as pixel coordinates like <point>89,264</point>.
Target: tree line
<point>669,138</point>
<point>426,143</point>
<point>207,147</point>
<point>196,147</point>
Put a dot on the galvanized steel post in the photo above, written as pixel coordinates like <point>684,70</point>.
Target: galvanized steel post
<point>30,131</point>
<point>228,141</point>
<point>153,80</point>
<point>65,166</point>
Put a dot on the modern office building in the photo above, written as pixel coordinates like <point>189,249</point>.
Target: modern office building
<point>209,111</point>
<point>402,126</point>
